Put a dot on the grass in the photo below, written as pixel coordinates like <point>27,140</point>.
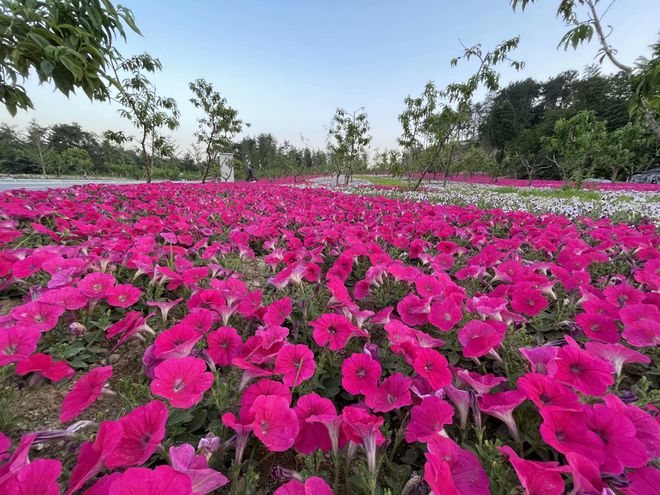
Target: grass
<point>384,181</point>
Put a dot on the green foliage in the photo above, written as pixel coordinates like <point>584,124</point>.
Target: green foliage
<point>69,43</point>
<point>217,127</point>
<point>349,133</point>
<point>146,110</point>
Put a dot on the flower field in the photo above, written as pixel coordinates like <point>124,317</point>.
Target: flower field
<point>254,339</point>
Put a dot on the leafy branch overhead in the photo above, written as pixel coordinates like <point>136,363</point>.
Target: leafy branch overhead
<point>69,43</point>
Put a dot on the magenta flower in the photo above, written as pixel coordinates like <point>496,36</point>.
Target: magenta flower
<point>17,343</point>
<point>37,315</point>
<point>296,363</point>
<point>204,479</point>
<point>567,432</point>
<point>278,311</point>
<point>262,387</point>
<point>393,393</point>
<point>200,319</point>
<point>163,480</point>
<point>92,455</point>
<point>461,400</point>
<point>123,295</point>
<point>433,366</point>
<point>312,486</point>
<point>182,381</point>
<point>312,435</point>
<point>643,481</point>
<point>641,324</point>
<point>598,327</point>
<point>360,374</point>
<point>242,427</point>
<point>335,330</point>
<point>528,300</point>
<point>363,429</point>
<point>481,384</point>
<point>176,342</point>
<point>413,310</point>
<point>617,432</point>
<point>142,431</point>
<point>537,478</point>
<point>39,477</point>
<point>586,474</point>
<point>479,338</point>
<point>43,365</point>
<point>84,392</point>
<point>501,406</point>
<point>580,370</point>
<point>96,285</point>
<point>70,298</point>
<point>541,359</point>
<point>164,306</point>
<point>275,424</point>
<point>428,419</point>
<point>544,391</point>
<point>452,470</point>
<point>616,354</point>
<point>224,345</point>
<point>446,314</point>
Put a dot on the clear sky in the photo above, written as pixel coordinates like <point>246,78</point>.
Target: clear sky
<point>287,64</point>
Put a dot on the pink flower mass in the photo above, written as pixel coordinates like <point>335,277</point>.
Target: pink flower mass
<point>280,337</point>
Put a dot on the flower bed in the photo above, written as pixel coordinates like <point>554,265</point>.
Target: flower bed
<point>189,338</point>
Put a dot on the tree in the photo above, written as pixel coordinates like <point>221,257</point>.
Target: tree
<point>350,134</point>
<point>69,43</point>
<point>65,136</point>
<point>448,125</point>
<point>74,161</point>
<point>583,25</point>
<point>37,147</point>
<point>414,122</point>
<point>218,125</point>
<point>626,150</point>
<point>147,111</point>
<point>577,145</point>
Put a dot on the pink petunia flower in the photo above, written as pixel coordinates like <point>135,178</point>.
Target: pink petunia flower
<point>427,420</point>
<point>224,344</point>
<point>312,486</point>
<point>278,311</point>
<point>92,455</point>
<point>586,474</point>
<point>479,338</point>
<point>275,424</point>
<point>641,324</point>
<point>501,406</point>
<point>452,470</point>
<point>37,315</point>
<point>182,381</point>
<point>567,432</point>
<point>363,429</point>
<point>163,480</point>
<point>39,477</point>
<point>312,435</point>
<point>541,359</point>
<point>70,298</point>
<point>413,310</point>
<point>17,343</point>
<point>360,374</point>
<point>616,354</point>
<point>262,387</point>
<point>242,427</point>
<point>176,342</point>
<point>446,314</point>
<point>43,365</point>
<point>393,393</point>
<point>335,330</point>
<point>582,371</point>
<point>622,449</point>
<point>537,478</point>
<point>544,391</point>
<point>598,327</point>
<point>528,300</point>
<point>164,306</point>
<point>481,384</point>
<point>461,400</point>
<point>84,392</point>
<point>433,366</point>
<point>123,295</point>
<point>142,431</point>
<point>296,363</point>
<point>204,479</point>
<point>96,285</point>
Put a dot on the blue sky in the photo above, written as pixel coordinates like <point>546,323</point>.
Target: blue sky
<point>287,64</point>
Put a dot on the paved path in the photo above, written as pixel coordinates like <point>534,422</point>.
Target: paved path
<point>7,184</point>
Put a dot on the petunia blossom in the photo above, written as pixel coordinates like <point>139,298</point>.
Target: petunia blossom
<point>182,381</point>
<point>84,392</point>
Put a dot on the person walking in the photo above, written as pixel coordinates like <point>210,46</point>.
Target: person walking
<point>250,174</point>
